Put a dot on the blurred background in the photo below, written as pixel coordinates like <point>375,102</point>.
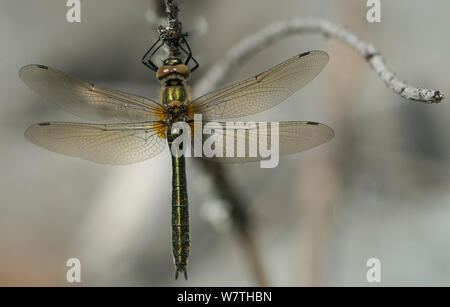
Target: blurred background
<point>379,189</point>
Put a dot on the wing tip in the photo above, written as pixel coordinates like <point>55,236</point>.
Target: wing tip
<point>42,67</point>
<point>28,67</point>
<point>316,52</point>
<point>301,55</point>
<point>332,134</point>
<point>44,124</point>
<point>22,70</point>
<point>330,130</point>
<point>29,130</point>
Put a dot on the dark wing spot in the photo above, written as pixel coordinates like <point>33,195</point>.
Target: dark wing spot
<point>43,67</point>
<point>44,124</point>
<point>304,54</point>
<point>312,123</point>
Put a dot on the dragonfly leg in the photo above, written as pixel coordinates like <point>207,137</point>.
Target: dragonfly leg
<point>147,59</point>
<point>189,53</point>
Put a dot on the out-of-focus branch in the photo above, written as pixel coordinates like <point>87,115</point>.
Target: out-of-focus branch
<point>238,210</point>
<point>251,44</point>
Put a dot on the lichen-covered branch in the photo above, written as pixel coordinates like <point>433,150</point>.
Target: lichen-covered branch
<point>276,31</point>
<point>172,10</point>
<point>172,33</point>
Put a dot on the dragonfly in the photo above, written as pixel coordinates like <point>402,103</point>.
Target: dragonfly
<point>127,128</point>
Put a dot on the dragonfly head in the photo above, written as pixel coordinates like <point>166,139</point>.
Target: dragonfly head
<point>173,69</point>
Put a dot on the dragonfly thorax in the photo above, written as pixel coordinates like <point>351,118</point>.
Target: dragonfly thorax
<point>175,111</point>
<point>174,91</point>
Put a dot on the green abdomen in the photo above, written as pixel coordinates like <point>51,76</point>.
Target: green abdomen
<point>180,211</point>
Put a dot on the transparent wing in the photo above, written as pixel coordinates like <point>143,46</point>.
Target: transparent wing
<point>110,144</point>
<point>262,92</point>
<point>293,137</point>
<point>87,100</point>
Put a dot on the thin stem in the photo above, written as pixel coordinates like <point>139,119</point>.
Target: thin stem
<point>172,33</point>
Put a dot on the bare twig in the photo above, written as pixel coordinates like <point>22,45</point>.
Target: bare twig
<point>172,33</point>
<point>172,11</point>
<point>276,31</point>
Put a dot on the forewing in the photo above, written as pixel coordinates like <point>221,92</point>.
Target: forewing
<point>110,144</point>
<point>87,100</point>
<point>262,92</point>
<point>293,137</point>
